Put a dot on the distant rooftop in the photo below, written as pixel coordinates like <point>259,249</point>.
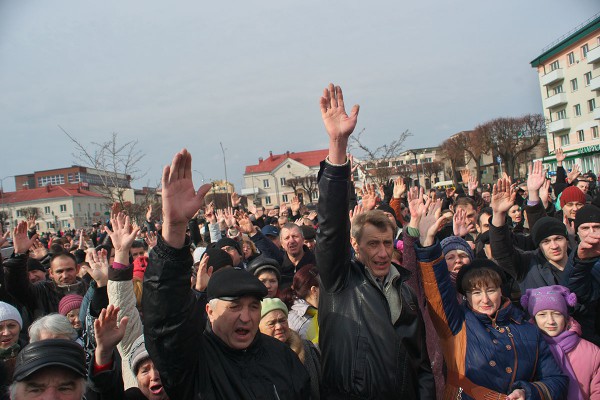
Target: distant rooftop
<point>309,158</point>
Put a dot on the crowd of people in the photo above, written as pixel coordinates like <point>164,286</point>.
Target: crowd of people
<point>382,292</point>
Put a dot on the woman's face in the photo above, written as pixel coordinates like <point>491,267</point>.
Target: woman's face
<point>275,324</point>
<point>149,381</point>
<point>456,259</point>
<point>9,333</point>
<point>269,279</point>
<point>73,317</point>
<point>485,300</point>
<point>551,322</point>
<point>247,249</point>
<point>515,213</point>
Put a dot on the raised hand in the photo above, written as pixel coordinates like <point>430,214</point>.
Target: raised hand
<point>416,205</point>
<point>4,238</point>
<point>151,240</point>
<point>544,193</point>
<point>369,197</point>
<point>430,223</point>
<point>210,213</point>
<point>122,234</point>
<point>229,217</point>
<point>98,266</point>
<point>295,205</point>
<point>465,174</point>
<point>535,179</point>
<point>204,274</point>
<point>560,156</point>
<point>574,173</point>
<point>31,225</point>
<point>108,333</point>
<point>180,199</point>
<point>358,209</point>
<point>251,208</point>
<point>312,215</point>
<point>245,225</point>
<point>338,124</point>
<point>399,188</point>
<point>21,242</point>
<point>460,223</point>
<point>589,247</point>
<point>570,226</point>
<point>149,213</point>
<point>503,196</point>
<point>235,199</point>
<point>472,185</point>
<point>450,192</point>
<point>38,250</point>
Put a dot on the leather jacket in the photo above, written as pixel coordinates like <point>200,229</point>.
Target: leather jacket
<point>364,354</point>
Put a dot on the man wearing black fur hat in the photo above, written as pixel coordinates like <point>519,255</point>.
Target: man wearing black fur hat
<point>230,358</point>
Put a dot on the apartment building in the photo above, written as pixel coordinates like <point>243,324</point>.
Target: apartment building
<point>277,178</point>
<point>569,77</point>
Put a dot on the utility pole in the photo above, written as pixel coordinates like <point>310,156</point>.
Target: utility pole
<point>226,180</point>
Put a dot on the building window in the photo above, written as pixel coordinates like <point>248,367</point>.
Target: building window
<point>584,50</point>
<point>265,183</point>
<point>63,208</point>
<point>282,181</point>
<point>564,140</point>
<point>268,200</point>
<point>19,213</point>
<point>554,65</point>
<point>591,104</point>
<point>574,85</point>
<point>571,57</point>
<point>47,210</point>
<point>581,136</point>
<point>79,206</point>
<point>315,195</point>
<point>284,198</point>
<point>562,114</point>
<point>577,109</point>
<point>594,132</point>
<point>51,180</point>
<point>587,78</point>
<point>49,225</point>
<point>558,89</point>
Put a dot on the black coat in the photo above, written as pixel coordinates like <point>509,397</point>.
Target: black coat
<point>193,362</point>
<point>364,355</point>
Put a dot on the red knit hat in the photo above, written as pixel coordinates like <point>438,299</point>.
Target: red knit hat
<point>69,303</point>
<point>571,194</point>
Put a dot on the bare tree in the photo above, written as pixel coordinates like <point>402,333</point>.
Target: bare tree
<point>432,168</point>
<point>475,143</point>
<point>294,183</point>
<point>4,217</point>
<point>512,137</point>
<point>453,151</point>
<point>309,185</point>
<point>379,161</point>
<point>29,212</point>
<point>117,164</point>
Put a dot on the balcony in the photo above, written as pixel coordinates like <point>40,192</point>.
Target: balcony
<point>552,77</point>
<point>559,126</point>
<point>595,83</point>
<point>593,56</point>
<point>558,99</point>
<point>597,113</point>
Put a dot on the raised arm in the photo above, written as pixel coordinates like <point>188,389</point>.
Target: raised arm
<point>173,319</point>
<point>16,277</point>
<point>333,238</point>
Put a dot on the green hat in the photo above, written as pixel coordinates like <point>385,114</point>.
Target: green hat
<point>269,305</point>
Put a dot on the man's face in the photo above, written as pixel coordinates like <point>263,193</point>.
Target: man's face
<point>149,382</point>
<point>554,248</point>
<point>570,209</point>
<point>292,241</point>
<point>310,243</point>
<point>484,223</point>
<point>235,322</point>
<point>136,252</point>
<point>63,271</point>
<point>54,383</point>
<point>471,215</point>
<point>486,197</point>
<point>375,249</point>
<point>235,256</point>
<point>282,221</point>
<point>588,228</point>
<point>36,275</point>
<point>584,186</point>
<point>275,240</point>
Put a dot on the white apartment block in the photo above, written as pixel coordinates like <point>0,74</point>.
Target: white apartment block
<point>569,76</point>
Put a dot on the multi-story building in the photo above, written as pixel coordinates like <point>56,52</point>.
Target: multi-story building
<point>569,76</point>
<point>58,207</point>
<point>69,175</point>
<point>279,177</point>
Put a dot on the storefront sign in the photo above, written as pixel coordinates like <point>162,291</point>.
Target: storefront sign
<point>589,149</point>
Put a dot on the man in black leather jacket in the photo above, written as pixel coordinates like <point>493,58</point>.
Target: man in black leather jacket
<point>371,333</point>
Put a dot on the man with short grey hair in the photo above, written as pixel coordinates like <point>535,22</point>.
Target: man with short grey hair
<point>297,254</point>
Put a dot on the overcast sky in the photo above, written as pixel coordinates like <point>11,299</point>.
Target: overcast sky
<point>249,74</point>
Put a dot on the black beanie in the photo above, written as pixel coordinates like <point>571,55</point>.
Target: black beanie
<point>218,259</point>
<point>386,208</point>
<point>545,227</point>
<point>586,214</point>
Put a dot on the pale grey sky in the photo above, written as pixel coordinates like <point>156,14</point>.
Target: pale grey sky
<point>190,74</point>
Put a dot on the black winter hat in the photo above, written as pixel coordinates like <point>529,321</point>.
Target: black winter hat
<point>231,283</point>
<point>545,227</point>
<point>218,259</point>
<point>50,353</point>
<point>34,265</point>
<point>262,263</point>
<point>475,264</point>
<point>308,232</point>
<point>224,242</point>
<point>587,214</point>
<point>386,208</point>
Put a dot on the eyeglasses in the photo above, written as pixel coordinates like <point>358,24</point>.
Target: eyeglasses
<point>280,321</point>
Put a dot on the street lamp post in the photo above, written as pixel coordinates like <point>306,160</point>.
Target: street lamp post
<point>407,158</point>
<point>226,180</point>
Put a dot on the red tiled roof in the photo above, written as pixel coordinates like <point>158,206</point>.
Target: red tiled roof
<point>308,158</point>
<point>47,192</point>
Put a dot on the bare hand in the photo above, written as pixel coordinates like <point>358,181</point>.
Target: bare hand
<point>535,177</point>
<point>31,225</point>
<point>358,209</point>
<point>108,333</point>
<point>430,224</point>
<point>149,213</point>
<point>38,250</point>
<point>245,225</point>
<point>460,224</point>
<point>151,240</point>
<point>295,205</point>
<point>517,394</point>
<point>589,247</point>
<point>544,193</point>
<point>560,156</point>
<point>472,185</point>
<point>21,242</point>
<point>338,124</point>
<point>204,274</point>
<point>503,196</point>
<point>369,197</point>
<point>312,215</point>
<point>123,234</point>
<point>575,172</point>
<point>210,213</point>
<point>399,188</point>
<point>98,266</point>
<point>570,226</point>
<point>4,238</point>
<point>229,217</point>
<point>235,199</point>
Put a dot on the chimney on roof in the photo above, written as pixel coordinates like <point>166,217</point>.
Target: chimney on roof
<point>270,155</point>
<point>287,154</point>
<point>260,159</point>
